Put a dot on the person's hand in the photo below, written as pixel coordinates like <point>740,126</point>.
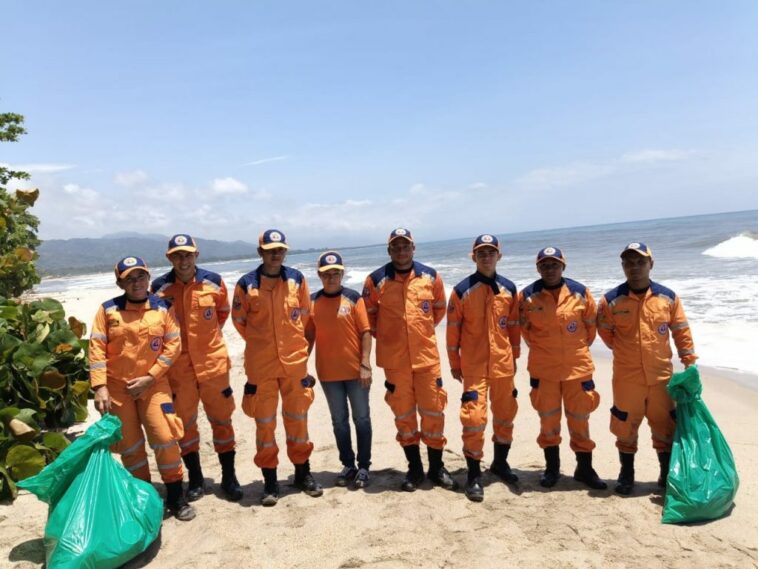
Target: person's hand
<point>456,373</point>
<point>137,386</point>
<point>102,400</point>
<point>365,376</point>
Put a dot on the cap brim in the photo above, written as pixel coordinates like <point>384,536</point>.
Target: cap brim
<point>130,270</point>
<point>330,267</point>
<point>267,246</point>
<point>409,239</point>
<point>637,251</point>
<point>188,248</point>
<point>491,245</point>
<point>549,257</point>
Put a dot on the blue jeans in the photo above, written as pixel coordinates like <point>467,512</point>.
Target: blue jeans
<point>337,395</point>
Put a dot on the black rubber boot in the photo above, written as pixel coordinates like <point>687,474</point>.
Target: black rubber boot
<point>626,475</point>
<point>415,475</point>
<point>585,474</point>
<point>552,472</point>
<point>270,487</point>
<point>229,484</point>
<point>304,480</point>
<point>664,459</point>
<point>474,490</point>
<point>177,504</point>
<point>500,466</point>
<point>437,471</point>
<point>196,485</point>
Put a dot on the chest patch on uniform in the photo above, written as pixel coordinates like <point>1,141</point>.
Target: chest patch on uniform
<point>344,310</point>
<point>571,326</point>
<point>236,303</point>
<point>663,328</point>
<point>208,313</point>
<point>503,322</point>
<point>426,307</point>
<point>113,323</point>
<point>295,314</point>
<point>156,343</point>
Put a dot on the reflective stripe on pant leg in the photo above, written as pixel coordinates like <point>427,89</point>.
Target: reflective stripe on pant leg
<point>183,383</point>
<point>579,400</point>
<point>473,415</point>
<point>296,400</point>
<point>504,407</point>
<point>545,396</point>
<point>627,413</point>
<point>660,417</point>
<point>399,396</point>
<point>266,402</point>
<point>218,403</point>
<point>160,435</point>
<point>431,399</point>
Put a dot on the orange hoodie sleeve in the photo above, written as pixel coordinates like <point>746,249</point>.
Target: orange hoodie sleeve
<point>172,346</point>
<point>361,317</point>
<point>605,327</point>
<point>590,317</point>
<point>514,328</point>
<point>680,330</point>
<point>222,305</point>
<point>454,325</point>
<point>304,300</point>
<point>371,298</point>
<point>239,310</point>
<point>523,319</point>
<point>439,306</point>
<point>98,340</point>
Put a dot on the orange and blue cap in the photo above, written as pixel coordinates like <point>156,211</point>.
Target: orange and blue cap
<point>330,260</point>
<point>486,240</point>
<point>181,242</point>
<point>400,233</point>
<point>551,253</point>
<point>639,248</point>
<point>271,239</point>
<point>128,265</point>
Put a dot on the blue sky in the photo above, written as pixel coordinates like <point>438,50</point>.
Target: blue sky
<point>337,121</point>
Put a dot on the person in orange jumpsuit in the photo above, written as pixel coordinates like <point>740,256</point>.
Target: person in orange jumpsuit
<point>340,332</point>
<point>134,342</point>
<point>270,310</point>
<point>201,371</point>
<point>483,342</point>
<point>558,324</point>
<point>637,320</point>
<point>405,300</point>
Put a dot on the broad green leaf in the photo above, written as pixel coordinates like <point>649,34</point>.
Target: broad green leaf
<point>33,358</point>
<point>55,441</point>
<point>23,461</point>
<point>8,488</point>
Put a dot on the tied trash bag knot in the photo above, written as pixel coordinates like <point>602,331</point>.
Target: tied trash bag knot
<point>702,480</point>
<point>100,516</point>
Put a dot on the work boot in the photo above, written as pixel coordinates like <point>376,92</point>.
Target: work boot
<point>229,484</point>
<point>474,490</point>
<point>664,459</point>
<point>552,472</point>
<point>304,480</point>
<point>196,485</point>
<point>270,487</point>
<point>437,471</point>
<point>585,473</point>
<point>415,475</point>
<point>626,475</point>
<point>500,466</point>
<point>176,503</point>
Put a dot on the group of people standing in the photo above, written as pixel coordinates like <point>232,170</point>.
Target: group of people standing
<point>154,355</point>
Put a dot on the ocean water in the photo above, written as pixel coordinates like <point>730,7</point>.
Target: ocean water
<point>710,261</point>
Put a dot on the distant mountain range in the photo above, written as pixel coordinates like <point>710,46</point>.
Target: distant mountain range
<point>59,257</point>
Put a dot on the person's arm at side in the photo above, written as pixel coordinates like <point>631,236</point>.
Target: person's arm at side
<point>605,327</point>
<point>439,304</point>
<point>453,335</point>
<point>680,330</point>
<point>98,362</point>
<point>222,305</point>
<point>590,317</point>
<point>364,331</point>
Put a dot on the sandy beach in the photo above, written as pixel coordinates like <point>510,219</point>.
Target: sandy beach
<point>382,527</point>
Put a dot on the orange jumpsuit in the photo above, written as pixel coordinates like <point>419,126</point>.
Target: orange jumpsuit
<point>638,327</point>
<point>403,310</point>
<point>130,340</point>
<point>271,315</point>
<point>201,372</point>
<point>559,327</point>
<point>483,340</point>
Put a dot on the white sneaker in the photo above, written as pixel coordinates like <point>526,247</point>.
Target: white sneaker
<point>362,478</point>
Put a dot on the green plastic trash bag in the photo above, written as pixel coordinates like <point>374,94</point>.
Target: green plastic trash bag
<point>702,479</point>
<point>100,515</point>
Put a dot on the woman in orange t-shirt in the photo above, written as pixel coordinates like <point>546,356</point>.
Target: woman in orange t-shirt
<point>340,330</point>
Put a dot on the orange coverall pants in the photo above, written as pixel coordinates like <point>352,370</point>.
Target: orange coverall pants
<point>410,392</point>
<point>502,395</point>
<point>634,402</point>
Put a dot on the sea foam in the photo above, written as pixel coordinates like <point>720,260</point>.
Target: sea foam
<point>742,246</point>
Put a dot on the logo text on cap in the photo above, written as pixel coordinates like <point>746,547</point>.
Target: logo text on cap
<point>130,262</point>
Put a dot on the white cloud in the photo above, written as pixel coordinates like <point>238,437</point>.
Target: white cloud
<point>80,193</point>
<point>228,186</point>
<point>562,176</point>
<point>266,160</point>
<point>39,168</point>
<point>477,186</point>
<point>130,179</point>
<point>657,155</point>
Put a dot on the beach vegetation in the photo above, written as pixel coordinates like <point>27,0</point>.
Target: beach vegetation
<point>44,375</point>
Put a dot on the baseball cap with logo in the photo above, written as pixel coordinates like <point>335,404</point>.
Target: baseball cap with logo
<point>400,233</point>
<point>181,242</point>
<point>271,239</point>
<point>330,260</point>
<point>486,240</point>
<point>639,248</point>
<point>128,265</point>
<point>551,253</point>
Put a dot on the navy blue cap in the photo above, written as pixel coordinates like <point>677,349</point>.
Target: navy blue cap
<point>181,242</point>
<point>271,239</point>
<point>400,233</point>
<point>486,240</point>
<point>129,264</point>
<point>551,253</point>
<point>639,248</point>
<point>330,260</point>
